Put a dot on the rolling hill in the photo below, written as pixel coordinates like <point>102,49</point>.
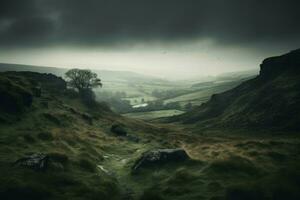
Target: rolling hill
<point>271,100</point>
<point>54,146</point>
<point>40,117</point>
<point>106,75</point>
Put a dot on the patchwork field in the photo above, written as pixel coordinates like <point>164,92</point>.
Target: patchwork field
<point>153,114</point>
<point>199,96</point>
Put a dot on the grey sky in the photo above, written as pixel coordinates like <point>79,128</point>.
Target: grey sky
<point>165,37</point>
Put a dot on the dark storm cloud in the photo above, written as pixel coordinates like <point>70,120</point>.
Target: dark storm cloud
<point>93,22</point>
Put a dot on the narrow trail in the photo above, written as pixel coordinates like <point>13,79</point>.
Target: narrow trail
<point>117,164</point>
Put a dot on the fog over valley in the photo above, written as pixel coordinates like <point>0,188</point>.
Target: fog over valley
<point>149,99</point>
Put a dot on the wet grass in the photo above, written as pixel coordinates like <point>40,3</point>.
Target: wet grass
<point>88,161</point>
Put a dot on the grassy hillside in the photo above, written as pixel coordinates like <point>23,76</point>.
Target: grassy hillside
<point>87,160</point>
<point>202,94</point>
<point>76,138</point>
<point>270,100</point>
<point>137,88</point>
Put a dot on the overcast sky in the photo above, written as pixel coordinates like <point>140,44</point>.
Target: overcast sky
<point>178,38</point>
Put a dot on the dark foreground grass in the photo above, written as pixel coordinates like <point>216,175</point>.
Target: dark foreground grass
<point>65,182</point>
<point>88,162</point>
<point>283,184</point>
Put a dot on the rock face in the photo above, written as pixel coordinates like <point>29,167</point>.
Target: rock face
<point>36,161</point>
<point>17,89</point>
<point>160,156</point>
<point>274,66</point>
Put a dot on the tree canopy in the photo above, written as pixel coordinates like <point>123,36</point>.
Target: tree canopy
<point>82,79</point>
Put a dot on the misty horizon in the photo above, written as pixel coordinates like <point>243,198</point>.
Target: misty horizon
<point>150,99</point>
<point>178,41</point>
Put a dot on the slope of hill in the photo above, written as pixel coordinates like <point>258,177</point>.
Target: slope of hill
<point>271,100</point>
<point>52,146</point>
<point>40,117</point>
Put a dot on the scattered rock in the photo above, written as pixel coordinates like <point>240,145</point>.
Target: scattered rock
<point>160,156</point>
<point>36,161</point>
<point>118,129</point>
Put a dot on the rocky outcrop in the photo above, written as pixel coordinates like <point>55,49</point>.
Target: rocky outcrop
<point>17,89</point>
<point>269,101</point>
<point>46,81</point>
<point>274,66</point>
<point>36,161</point>
<point>159,157</point>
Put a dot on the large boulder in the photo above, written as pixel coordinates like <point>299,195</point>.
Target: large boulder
<point>36,161</point>
<point>160,156</point>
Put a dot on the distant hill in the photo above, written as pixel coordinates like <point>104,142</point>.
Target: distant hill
<point>105,75</point>
<point>237,75</point>
<point>271,100</point>
<point>41,69</point>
